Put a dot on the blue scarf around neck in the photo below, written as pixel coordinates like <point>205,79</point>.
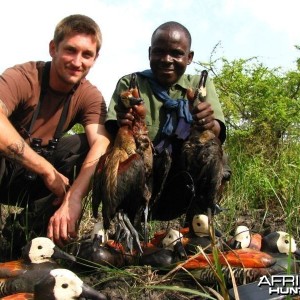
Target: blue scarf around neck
<point>180,106</point>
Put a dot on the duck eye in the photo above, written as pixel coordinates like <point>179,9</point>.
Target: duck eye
<point>40,247</point>
<point>286,241</point>
<point>198,224</point>
<point>64,286</point>
<point>170,236</point>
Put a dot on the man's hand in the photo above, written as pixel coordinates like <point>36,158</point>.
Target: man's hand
<point>124,116</point>
<point>62,227</point>
<point>203,117</point>
<point>56,182</point>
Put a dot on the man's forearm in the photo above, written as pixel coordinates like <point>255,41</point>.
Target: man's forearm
<point>13,146</point>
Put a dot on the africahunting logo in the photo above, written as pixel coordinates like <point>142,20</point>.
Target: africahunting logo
<point>281,284</point>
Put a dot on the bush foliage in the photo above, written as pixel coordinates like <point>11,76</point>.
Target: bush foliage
<point>262,111</point>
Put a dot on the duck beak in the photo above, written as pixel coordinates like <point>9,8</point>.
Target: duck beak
<point>297,254</point>
<point>135,101</point>
<point>179,248</point>
<point>236,245</point>
<point>90,293</point>
<point>60,254</point>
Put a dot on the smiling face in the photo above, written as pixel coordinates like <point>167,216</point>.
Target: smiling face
<point>169,54</point>
<point>72,60</point>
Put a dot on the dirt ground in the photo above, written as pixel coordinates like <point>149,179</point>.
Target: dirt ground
<point>130,282</point>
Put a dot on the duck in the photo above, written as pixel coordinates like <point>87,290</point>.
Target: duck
<point>167,254</point>
<point>40,253</point>
<point>200,236</point>
<point>280,242</point>
<point>244,238</point>
<point>99,230</point>
<point>282,246</point>
<point>123,175</point>
<point>208,276</point>
<point>100,250</point>
<point>241,238</point>
<point>59,284</point>
<point>158,236</point>
<point>245,265</point>
<point>110,253</point>
<point>202,158</point>
<point>19,296</point>
<point>172,238</point>
<point>242,258</point>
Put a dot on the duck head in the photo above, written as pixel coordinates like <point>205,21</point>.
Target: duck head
<point>200,225</point>
<point>241,237</point>
<point>280,242</point>
<point>42,249</point>
<point>63,284</point>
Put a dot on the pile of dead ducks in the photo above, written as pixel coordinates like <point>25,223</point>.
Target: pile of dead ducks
<point>242,258</point>
<point>38,275</point>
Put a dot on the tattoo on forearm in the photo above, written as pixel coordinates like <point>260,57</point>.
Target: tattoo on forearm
<point>3,107</point>
<point>16,150</point>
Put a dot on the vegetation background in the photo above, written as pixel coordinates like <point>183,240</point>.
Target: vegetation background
<point>262,111</point>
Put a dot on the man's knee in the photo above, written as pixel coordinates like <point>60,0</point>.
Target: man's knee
<point>70,154</point>
<point>73,144</point>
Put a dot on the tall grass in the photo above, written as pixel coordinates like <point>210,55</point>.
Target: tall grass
<point>270,182</point>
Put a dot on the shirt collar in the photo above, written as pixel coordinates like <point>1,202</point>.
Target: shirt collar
<point>182,82</point>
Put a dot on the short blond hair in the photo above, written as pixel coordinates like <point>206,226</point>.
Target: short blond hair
<point>80,24</point>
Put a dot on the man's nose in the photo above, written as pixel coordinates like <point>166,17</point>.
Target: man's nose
<point>77,60</point>
<point>167,58</point>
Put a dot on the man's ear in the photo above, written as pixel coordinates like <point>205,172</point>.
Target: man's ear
<point>190,57</point>
<point>52,48</point>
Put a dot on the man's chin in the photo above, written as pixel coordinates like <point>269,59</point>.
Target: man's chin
<point>166,79</point>
<point>73,80</point>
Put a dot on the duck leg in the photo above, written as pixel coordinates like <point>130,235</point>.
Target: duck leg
<point>123,233</point>
<point>134,234</point>
<point>127,233</point>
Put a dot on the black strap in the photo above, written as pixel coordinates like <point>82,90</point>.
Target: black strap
<point>63,117</point>
<point>44,88</point>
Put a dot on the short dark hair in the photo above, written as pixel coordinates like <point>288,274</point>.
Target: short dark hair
<point>80,24</point>
<point>175,25</point>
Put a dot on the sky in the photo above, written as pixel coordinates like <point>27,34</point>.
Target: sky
<point>268,29</point>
